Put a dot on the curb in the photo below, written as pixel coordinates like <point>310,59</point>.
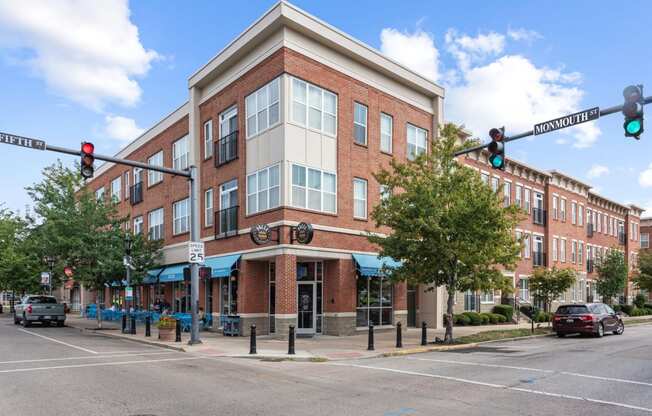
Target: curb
<point>126,337</point>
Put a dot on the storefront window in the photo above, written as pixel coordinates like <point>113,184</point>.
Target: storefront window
<point>374,305</point>
<point>229,296</point>
<point>182,297</point>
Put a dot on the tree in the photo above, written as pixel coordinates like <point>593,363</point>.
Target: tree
<point>19,265</point>
<point>643,277</point>
<point>448,228</point>
<point>612,275</point>
<point>549,284</point>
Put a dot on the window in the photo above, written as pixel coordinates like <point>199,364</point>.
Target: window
<point>517,196</point>
<point>562,210</point>
<point>580,251</point>
<point>573,251</point>
<point>314,104</point>
<point>386,125</point>
<point>156,224</point>
<point>138,225</point>
<point>562,251</point>
<point>495,183</point>
<point>313,189</point>
<point>99,194</point>
<point>263,190</point>
<point>154,177</point>
<point>518,240</point>
<point>126,185</point>
<point>359,123</point>
<point>374,302</point>
<point>484,177</point>
<point>116,189</point>
<point>262,108</point>
<point>580,216</point>
<point>228,214</point>
<point>384,192</point>
<point>180,217</point>
<point>555,203</point>
<point>180,154</point>
<point>526,197</point>
<point>487,297</point>
<point>507,191</point>
<point>573,212</point>
<point>524,289</point>
<point>208,139</point>
<point>527,249</point>
<point>208,207</point>
<point>359,198</point>
<point>645,240</point>
<point>555,242</point>
<point>417,139</point>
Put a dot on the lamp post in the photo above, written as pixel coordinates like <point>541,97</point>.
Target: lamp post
<point>127,262</point>
<point>50,260</point>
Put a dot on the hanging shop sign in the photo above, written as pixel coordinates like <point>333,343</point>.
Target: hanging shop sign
<point>261,234</point>
<point>302,233</point>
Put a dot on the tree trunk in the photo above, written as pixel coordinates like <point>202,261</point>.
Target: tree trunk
<point>448,338</point>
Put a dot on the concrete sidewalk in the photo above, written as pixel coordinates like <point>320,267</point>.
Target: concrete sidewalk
<point>321,347</point>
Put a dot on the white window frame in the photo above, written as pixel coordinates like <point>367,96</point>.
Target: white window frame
<point>524,289</point>
<point>562,209</point>
<point>116,189</point>
<point>487,297</point>
<point>386,137</point>
<point>208,139</point>
<point>153,176</point>
<point>256,193</point>
<point>209,198</point>
<point>138,224</point>
<point>180,154</point>
<point>562,250</point>
<point>573,251</point>
<point>495,183</point>
<point>555,247</point>
<point>555,207</point>
<point>360,182</point>
<point>507,193</point>
<point>418,149</point>
<point>580,252</point>
<point>527,197</point>
<point>527,245</point>
<point>307,189</point>
<point>153,224</point>
<point>127,187</point>
<point>363,123</point>
<point>262,108</point>
<point>518,236</point>
<point>573,212</point>
<point>645,241</point>
<point>180,219</point>
<point>580,215</point>
<point>303,106</point>
<point>99,193</point>
<point>518,196</point>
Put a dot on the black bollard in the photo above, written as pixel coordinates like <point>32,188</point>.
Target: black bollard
<point>532,320</point>
<point>291,340</point>
<point>424,333</point>
<point>370,343</point>
<point>399,336</point>
<point>178,328</point>
<point>148,327</point>
<point>124,323</point>
<point>133,325</point>
<point>252,340</point>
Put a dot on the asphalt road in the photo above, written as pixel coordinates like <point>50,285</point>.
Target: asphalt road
<point>62,371</point>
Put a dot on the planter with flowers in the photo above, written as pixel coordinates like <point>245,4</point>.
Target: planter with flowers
<point>166,328</point>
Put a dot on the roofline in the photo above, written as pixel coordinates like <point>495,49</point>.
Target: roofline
<point>557,172</point>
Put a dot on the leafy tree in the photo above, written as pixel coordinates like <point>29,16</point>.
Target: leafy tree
<point>19,265</point>
<point>612,275</point>
<point>643,277</point>
<point>447,227</point>
<point>549,284</point>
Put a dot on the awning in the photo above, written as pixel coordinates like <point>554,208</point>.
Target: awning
<point>168,274</point>
<point>116,283</point>
<point>369,265</point>
<point>222,266</point>
<point>152,275</point>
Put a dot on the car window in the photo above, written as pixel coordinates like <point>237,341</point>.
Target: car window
<point>597,309</point>
<point>572,309</point>
<point>41,299</point>
<point>608,309</point>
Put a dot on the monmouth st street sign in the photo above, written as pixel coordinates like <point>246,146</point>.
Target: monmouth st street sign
<point>567,121</point>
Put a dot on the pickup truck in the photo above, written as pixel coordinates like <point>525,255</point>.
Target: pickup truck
<point>39,308</point>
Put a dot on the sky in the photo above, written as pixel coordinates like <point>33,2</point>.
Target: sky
<point>104,71</point>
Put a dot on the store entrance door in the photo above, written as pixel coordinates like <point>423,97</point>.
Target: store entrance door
<point>306,308</point>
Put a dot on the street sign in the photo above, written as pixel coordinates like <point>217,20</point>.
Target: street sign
<point>567,121</point>
<point>7,138</point>
<point>196,252</point>
<point>45,278</point>
<point>129,293</point>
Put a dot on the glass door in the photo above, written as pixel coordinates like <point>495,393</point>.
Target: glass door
<point>306,308</point>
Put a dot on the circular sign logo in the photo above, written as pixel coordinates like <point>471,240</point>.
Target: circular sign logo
<point>304,233</point>
<point>261,234</point>
<point>68,271</point>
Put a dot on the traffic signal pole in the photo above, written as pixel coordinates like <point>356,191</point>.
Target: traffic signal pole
<point>603,112</point>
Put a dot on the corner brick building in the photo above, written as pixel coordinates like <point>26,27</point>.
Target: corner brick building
<point>287,125</point>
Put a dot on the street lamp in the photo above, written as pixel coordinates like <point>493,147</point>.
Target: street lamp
<point>128,244</point>
<point>50,260</point>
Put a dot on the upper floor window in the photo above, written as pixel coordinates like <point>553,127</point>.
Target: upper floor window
<point>99,194</point>
<point>507,191</point>
<point>262,108</point>
<point>562,250</point>
<point>180,154</point>
<point>360,123</point>
<point>495,183</point>
<point>359,198</point>
<point>645,240</point>
<point>386,127</point>
<point>263,190</point>
<point>417,139</point>
<point>208,139</point>
<point>138,224</point>
<point>580,216</point>
<point>208,207</point>
<point>315,105</point>
<point>126,193</point>
<point>527,199</point>
<point>155,221</point>
<point>555,203</point>
<point>555,243</point>
<point>314,189</point>
<point>181,217</point>
<point>116,189</point>
<point>153,176</point>
<point>573,212</point>
<point>517,195</point>
<point>527,248</point>
<point>384,192</point>
<point>562,209</point>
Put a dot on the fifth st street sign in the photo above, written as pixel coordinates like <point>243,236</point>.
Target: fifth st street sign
<point>22,141</point>
<point>567,121</point>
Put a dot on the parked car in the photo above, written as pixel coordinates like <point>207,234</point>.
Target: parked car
<point>39,308</point>
<point>587,318</point>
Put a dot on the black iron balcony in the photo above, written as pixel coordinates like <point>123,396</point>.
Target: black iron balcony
<point>589,229</point>
<point>226,149</point>
<point>136,193</point>
<point>622,237</point>
<point>226,222</point>
<point>539,216</point>
<point>589,265</point>
<point>538,259</point>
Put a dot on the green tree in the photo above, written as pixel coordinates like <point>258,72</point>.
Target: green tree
<point>612,275</point>
<point>643,277</point>
<point>447,227</point>
<point>19,264</point>
<point>549,284</point>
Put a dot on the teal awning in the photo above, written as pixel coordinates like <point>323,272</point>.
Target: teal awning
<point>222,266</point>
<point>116,283</point>
<point>172,273</point>
<point>152,275</point>
<point>369,265</point>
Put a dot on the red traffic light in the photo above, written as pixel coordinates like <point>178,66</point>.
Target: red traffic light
<point>87,147</point>
<point>497,135</point>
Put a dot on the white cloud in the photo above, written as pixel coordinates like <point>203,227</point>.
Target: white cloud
<point>523,34</point>
<point>645,177</point>
<point>121,128</point>
<point>88,51</point>
<point>468,50</point>
<point>647,208</point>
<point>596,171</point>
<point>416,50</point>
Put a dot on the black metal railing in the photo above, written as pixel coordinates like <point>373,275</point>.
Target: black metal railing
<point>589,229</point>
<point>226,222</point>
<point>589,265</point>
<point>622,238</point>
<point>226,149</point>
<point>539,216</point>
<point>136,193</point>
<point>538,258</point>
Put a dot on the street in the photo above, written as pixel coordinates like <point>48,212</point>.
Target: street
<point>66,371</point>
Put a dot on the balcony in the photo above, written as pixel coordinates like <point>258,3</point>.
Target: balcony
<point>226,149</point>
<point>539,216</point>
<point>589,266</point>
<point>622,238</point>
<point>589,230</point>
<point>538,259</point>
<point>226,222</point>
<point>136,193</point>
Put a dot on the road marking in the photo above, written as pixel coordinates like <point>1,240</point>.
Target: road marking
<point>497,386</point>
<point>566,373</point>
<point>58,342</point>
<point>86,357</point>
<point>58,367</point>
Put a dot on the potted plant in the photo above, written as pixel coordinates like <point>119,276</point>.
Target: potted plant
<point>166,328</point>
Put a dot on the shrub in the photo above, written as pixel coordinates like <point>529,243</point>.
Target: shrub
<point>528,310</point>
<point>461,319</point>
<point>501,318</point>
<point>648,305</point>
<point>494,318</point>
<point>505,310</point>
<point>486,319</point>
<point>166,322</point>
<point>542,316</point>
<point>639,300</point>
<point>617,308</point>
<point>474,317</point>
<point>628,309</point>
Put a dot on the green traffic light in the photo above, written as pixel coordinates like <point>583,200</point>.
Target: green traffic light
<point>633,127</point>
<point>497,161</point>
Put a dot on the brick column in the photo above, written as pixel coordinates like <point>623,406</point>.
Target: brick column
<point>400,303</point>
<point>339,297</point>
<point>253,296</point>
<point>286,292</point>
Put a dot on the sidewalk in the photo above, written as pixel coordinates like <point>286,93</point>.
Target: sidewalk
<point>322,347</point>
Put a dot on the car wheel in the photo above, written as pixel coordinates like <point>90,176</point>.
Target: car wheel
<point>620,329</point>
<point>561,335</point>
<point>25,322</point>
<point>46,323</point>
<point>600,332</point>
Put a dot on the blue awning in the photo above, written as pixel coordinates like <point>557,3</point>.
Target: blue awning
<point>172,273</point>
<point>152,275</point>
<point>369,265</point>
<point>119,283</point>
<point>222,266</point>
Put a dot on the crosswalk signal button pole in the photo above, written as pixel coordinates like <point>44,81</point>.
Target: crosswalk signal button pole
<point>87,160</point>
<point>633,111</point>
<point>497,148</point>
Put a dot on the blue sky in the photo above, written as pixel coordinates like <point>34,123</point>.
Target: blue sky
<point>71,72</point>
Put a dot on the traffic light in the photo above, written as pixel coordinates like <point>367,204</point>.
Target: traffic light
<point>633,111</point>
<point>87,160</point>
<point>497,148</point>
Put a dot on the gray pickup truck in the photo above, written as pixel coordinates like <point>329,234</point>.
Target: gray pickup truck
<point>39,308</point>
